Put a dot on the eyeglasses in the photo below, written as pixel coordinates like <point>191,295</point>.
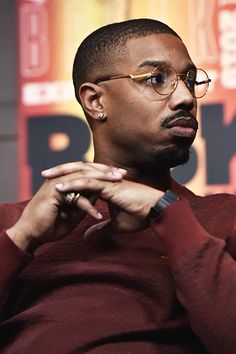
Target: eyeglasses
<point>164,80</point>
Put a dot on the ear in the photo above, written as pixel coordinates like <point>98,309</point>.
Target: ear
<point>91,97</point>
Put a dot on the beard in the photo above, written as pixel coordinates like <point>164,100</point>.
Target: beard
<point>172,156</point>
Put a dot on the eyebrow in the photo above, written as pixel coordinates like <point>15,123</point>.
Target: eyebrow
<point>155,63</point>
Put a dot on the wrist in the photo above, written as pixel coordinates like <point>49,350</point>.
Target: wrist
<point>21,238</point>
<point>152,199</point>
<point>167,199</point>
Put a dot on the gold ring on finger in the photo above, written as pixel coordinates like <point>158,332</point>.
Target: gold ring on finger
<point>71,198</point>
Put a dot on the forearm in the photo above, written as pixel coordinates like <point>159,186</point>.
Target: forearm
<point>12,261</point>
<point>204,274</point>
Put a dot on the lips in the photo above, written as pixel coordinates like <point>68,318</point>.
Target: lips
<point>183,127</point>
<point>183,122</point>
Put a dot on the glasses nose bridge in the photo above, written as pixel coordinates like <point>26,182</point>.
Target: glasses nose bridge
<point>188,93</point>
<point>183,78</point>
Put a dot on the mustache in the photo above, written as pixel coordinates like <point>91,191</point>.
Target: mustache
<point>181,114</point>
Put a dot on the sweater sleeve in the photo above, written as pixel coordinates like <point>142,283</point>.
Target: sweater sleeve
<point>204,274</point>
<point>12,260</point>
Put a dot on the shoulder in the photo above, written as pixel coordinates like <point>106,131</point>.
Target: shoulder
<point>217,201</point>
<point>10,213</point>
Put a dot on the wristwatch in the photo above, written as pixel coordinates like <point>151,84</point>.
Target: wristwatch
<point>168,198</point>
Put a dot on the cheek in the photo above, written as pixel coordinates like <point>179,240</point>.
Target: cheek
<point>129,104</point>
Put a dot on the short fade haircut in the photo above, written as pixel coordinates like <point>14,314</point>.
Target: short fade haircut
<point>102,48</point>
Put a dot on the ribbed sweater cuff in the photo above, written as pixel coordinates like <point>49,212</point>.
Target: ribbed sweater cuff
<point>11,256</point>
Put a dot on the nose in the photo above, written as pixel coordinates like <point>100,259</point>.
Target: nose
<point>182,97</point>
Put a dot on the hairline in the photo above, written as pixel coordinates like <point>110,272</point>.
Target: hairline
<point>108,45</point>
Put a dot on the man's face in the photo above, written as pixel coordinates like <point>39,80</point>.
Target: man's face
<point>143,126</point>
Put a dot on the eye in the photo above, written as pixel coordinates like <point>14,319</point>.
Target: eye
<point>190,83</point>
<point>191,74</point>
<point>159,78</point>
<point>191,79</point>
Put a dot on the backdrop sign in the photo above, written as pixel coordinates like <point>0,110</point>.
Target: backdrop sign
<point>52,127</point>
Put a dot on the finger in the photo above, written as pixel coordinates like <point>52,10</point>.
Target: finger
<point>99,231</point>
<point>72,167</point>
<point>96,174</point>
<point>87,206</point>
<point>83,204</point>
<point>83,185</point>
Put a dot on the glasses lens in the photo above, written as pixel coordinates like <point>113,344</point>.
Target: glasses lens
<point>164,80</point>
<point>197,82</point>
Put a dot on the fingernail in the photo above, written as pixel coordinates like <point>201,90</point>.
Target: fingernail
<point>116,174</point>
<point>46,172</point>
<point>99,216</point>
<point>122,170</point>
<point>60,186</point>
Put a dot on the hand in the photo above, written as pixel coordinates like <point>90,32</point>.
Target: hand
<point>129,203</point>
<point>46,217</point>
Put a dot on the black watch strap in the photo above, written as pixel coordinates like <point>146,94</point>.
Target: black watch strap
<point>168,198</point>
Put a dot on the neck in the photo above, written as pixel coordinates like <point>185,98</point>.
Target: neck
<point>153,175</point>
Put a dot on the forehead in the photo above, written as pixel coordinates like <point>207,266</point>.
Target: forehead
<point>154,48</point>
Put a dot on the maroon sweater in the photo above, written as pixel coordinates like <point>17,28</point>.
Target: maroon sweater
<point>169,289</point>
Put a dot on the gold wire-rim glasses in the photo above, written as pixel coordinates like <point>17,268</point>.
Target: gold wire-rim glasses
<point>172,84</point>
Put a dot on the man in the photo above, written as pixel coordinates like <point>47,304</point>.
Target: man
<point>148,267</point>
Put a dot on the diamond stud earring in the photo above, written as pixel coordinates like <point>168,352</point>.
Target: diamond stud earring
<point>101,117</point>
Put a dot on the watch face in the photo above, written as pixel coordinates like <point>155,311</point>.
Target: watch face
<point>167,199</point>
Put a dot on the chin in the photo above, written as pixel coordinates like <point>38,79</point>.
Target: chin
<point>172,156</point>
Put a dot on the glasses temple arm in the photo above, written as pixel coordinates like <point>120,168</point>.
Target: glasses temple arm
<point>131,76</point>
<point>108,78</point>
<point>202,82</point>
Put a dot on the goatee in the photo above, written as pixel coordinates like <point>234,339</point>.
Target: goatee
<point>172,156</point>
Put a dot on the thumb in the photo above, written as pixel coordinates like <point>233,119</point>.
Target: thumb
<point>100,230</point>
